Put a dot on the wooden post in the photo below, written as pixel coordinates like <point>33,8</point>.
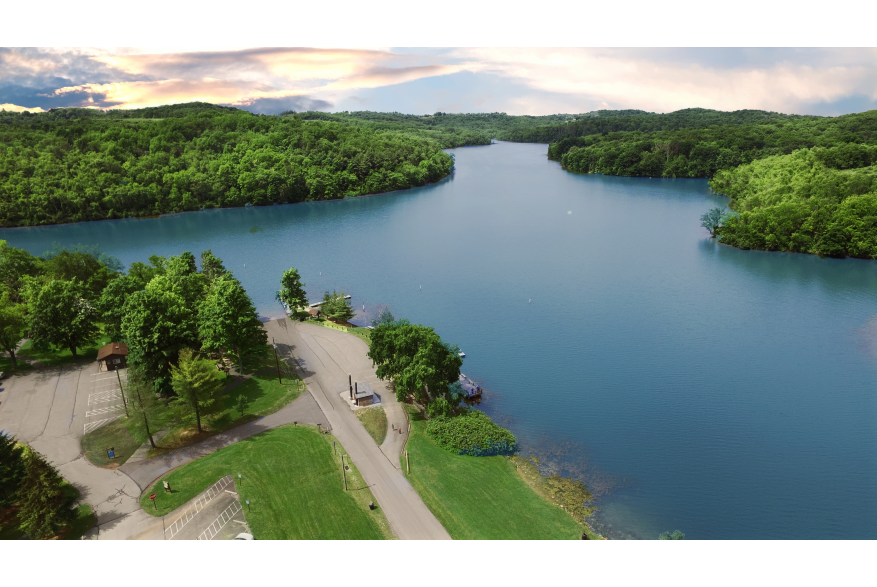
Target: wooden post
<point>350,384</point>
<point>122,392</point>
<point>343,472</point>
<point>355,391</point>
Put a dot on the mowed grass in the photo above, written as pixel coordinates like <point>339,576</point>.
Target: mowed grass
<point>375,422</point>
<point>265,395</point>
<point>54,358</point>
<point>115,435</point>
<point>292,477</point>
<point>481,498</point>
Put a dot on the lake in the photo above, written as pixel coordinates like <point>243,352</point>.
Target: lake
<point>729,394</point>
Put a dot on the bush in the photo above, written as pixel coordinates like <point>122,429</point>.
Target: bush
<point>472,433</point>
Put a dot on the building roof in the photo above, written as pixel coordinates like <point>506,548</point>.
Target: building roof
<point>114,348</point>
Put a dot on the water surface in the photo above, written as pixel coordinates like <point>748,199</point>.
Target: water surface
<point>725,393</point>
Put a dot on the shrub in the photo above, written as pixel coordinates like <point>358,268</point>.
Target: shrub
<point>472,433</point>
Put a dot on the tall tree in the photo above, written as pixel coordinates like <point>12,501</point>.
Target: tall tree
<point>13,322</point>
<point>15,264</point>
<point>146,411</point>
<point>156,325</point>
<point>46,505</point>
<point>228,319</point>
<point>60,315</point>
<point>211,266</point>
<point>292,291</point>
<point>336,307</point>
<point>11,469</point>
<point>111,304</point>
<point>416,359</point>
<point>196,385</point>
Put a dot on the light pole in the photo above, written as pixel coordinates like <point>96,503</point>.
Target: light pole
<point>122,392</point>
<point>276,360</point>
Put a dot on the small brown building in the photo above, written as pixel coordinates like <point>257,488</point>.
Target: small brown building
<point>113,356</point>
<point>315,312</point>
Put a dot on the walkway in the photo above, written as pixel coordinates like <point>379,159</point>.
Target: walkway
<point>326,357</point>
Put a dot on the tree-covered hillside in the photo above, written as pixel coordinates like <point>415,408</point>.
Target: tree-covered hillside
<point>602,122</point>
<point>459,130</point>
<point>821,201</point>
<point>78,164</point>
<point>701,152</point>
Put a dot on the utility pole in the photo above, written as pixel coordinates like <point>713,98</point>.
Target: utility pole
<point>276,360</point>
<point>122,392</point>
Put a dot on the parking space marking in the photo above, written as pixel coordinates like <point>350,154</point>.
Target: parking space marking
<point>104,410</point>
<point>199,505</point>
<point>104,396</point>
<point>94,425</point>
<point>221,521</point>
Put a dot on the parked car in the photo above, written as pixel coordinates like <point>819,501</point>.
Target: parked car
<point>244,536</point>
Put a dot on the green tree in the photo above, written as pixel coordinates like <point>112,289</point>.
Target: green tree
<point>111,304</point>
<point>46,501</point>
<point>385,317</point>
<point>336,307</point>
<point>713,220</point>
<point>15,264</point>
<point>60,315</point>
<point>146,411</point>
<point>156,325</point>
<point>13,322</point>
<point>228,319</point>
<point>242,404</point>
<point>12,466</point>
<point>211,266</point>
<point>194,381</point>
<point>416,359</point>
<point>675,535</point>
<point>83,264</point>
<point>292,291</point>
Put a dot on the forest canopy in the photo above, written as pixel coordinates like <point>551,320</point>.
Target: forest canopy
<point>79,164</point>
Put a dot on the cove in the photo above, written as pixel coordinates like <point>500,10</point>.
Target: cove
<point>729,394</point>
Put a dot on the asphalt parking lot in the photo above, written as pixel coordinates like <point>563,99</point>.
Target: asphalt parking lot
<point>215,514</point>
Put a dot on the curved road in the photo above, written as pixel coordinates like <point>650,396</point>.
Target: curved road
<point>326,357</point>
<point>50,409</point>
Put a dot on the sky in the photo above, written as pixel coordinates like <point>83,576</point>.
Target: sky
<point>533,81</point>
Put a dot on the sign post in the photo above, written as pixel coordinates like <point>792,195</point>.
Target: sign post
<point>152,497</point>
<point>111,453</point>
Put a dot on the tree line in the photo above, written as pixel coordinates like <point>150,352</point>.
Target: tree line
<point>79,164</point>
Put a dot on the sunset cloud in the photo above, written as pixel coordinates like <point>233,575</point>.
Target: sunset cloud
<point>518,81</point>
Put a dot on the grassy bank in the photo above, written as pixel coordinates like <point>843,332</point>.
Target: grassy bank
<point>481,498</point>
<point>292,477</point>
<point>115,435</point>
<point>264,393</point>
<point>375,422</point>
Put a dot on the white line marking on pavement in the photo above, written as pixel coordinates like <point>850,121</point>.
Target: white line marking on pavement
<point>214,528</point>
<point>95,425</point>
<point>106,396</point>
<point>102,411</point>
<point>199,505</point>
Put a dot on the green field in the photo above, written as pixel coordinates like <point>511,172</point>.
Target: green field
<point>293,479</point>
<point>481,498</point>
<point>264,392</point>
<point>375,422</point>
<point>115,435</point>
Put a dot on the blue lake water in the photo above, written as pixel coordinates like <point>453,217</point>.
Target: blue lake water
<point>724,393</point>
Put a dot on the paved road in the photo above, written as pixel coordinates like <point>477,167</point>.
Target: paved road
<point>49,409</point>
<point>326,357</point>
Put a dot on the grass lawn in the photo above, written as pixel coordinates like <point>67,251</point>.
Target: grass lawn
<point>6,365</point>
<point>292,477</point>
<point>375,422</point>
<point>482,498</point>
<point>359,332</point>
<point>265,395</point>
<point>115,435</point>
<point>54,358</point>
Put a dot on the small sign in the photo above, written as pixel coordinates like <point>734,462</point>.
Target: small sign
<point>111,453</point>
<point>152,496</point>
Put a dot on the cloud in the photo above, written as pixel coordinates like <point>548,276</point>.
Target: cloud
<point>14,108</point>
<point>277,105</point>
<point>663,81</point>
